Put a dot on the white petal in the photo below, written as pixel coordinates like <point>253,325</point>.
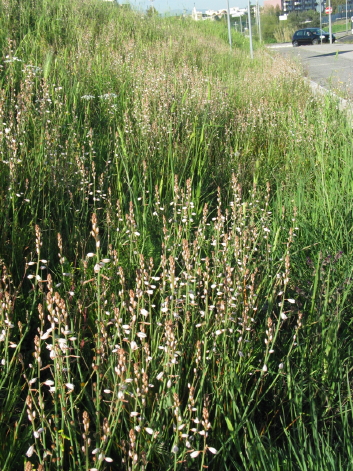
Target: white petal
<point>292,301</point>
<point>30,451</point>
<point>194,454</point>
<point>212,450</point>
<point>149,430</point>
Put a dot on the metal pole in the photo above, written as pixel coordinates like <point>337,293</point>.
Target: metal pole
<point>346,17</point>
<point>250,34</point>
<point>320,5</point>
<point>329,21</point>
<point>229,32</point>
<point>259,20</point>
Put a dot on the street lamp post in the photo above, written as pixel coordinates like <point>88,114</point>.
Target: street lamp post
<point>329,21</point>
<point>229,32</point>
<point>258,18</point>
<point>250,34</point>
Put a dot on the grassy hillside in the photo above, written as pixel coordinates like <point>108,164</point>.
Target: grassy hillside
<point>175,249</point>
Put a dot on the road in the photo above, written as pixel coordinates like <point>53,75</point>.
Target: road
<point>331,66</point>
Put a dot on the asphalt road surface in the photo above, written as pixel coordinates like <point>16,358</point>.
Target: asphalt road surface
<point>331,66</point>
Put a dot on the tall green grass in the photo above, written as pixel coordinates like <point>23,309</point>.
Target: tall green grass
<point>175,249</point>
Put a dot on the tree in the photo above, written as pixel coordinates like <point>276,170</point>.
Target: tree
<point>269,23</point>
<point>151,11</point>
<point>301,19</point>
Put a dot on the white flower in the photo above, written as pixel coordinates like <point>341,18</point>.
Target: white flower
<point>144,312</point>
<point>149,430</point>
<point>212,450</point>
<point>264,368</point>
<point>292,301</point>
<point>283,316</point>
<point>70,386</point>
<point>175,449</point>
<point>133,345</point>
<point>194,454</point>
<point>30,451</point>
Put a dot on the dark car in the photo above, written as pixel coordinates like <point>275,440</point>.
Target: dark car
<point>311,36</point>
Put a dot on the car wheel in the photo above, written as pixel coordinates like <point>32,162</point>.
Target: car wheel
<point>315,42</point>
<point>295,44</point>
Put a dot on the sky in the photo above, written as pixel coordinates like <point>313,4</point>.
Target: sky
<point>163,6</point>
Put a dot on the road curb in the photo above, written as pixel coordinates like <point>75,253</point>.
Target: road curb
<point>343,104</point>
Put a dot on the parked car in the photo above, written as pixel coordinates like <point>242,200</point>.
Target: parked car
<point>311,36</point>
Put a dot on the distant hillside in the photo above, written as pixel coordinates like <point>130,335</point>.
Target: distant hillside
<point>176,12</point>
